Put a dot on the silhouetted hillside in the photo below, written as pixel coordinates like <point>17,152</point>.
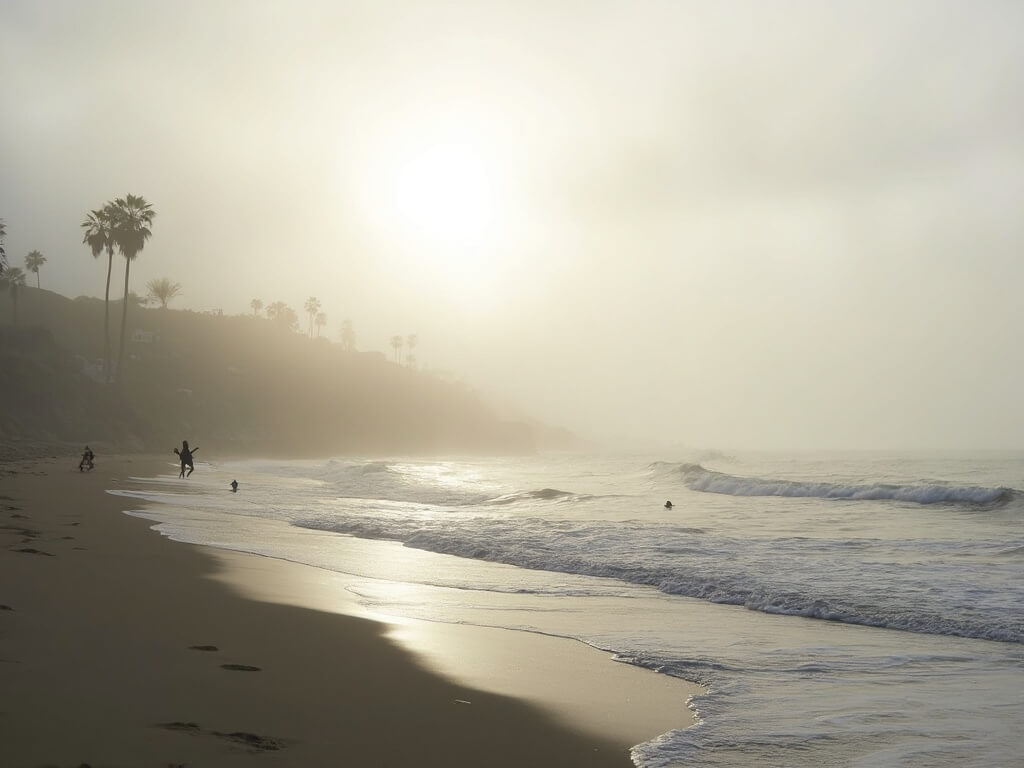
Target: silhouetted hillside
<point>238,384</point>
<point>48,400</point>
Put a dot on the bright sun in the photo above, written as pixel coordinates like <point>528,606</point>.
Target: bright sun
<point>444,195</point>
<point>436,205</point>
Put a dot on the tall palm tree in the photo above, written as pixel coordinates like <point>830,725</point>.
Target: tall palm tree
<point>396,343</point>
<point>321,321</point>
<point>98,226</point>
<point>257,305</point>
<point>3,253</point>
<point>162,290</point>
<point>14,281</point>
<point>132,218</point>
<point>33,262</point>
<point>312,306</point>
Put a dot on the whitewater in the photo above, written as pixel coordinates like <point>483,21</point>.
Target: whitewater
<point>839,609</point>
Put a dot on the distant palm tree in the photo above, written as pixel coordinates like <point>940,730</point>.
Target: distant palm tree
<point>162,290</point>
<point>14,281</point>
<point>312,306</point>
<point>33,262</point>
<point>321,321</point>
<point>348,336</point>
<point>257,305</point>
<point>3,253</point>
<point>132,218</point>
<point>98,226</point>
<point>396,343</point>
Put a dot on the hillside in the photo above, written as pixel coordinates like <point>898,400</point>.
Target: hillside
<point>234,384</point>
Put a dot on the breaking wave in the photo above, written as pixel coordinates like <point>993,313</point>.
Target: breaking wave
<point>695,565</point>
<point>697,478</point>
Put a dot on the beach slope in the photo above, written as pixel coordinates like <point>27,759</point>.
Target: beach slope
<point>116,649</point>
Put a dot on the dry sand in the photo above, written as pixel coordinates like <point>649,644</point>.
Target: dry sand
<point>118,649</point>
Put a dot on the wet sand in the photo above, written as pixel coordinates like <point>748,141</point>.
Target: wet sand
<point>119,647</point>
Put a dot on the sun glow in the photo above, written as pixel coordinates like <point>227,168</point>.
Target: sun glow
<point>436,203</point>
<point>444,195</point>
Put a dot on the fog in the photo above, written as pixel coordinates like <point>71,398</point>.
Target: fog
<point>780,225</point>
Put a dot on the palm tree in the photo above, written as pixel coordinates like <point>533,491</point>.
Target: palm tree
<point>3,253</point>
<point>312,306</point>
<point>321,321</point>
<point>162,290</point>
<point>14,281</point>
<point>257,305</point>
<point>132,219</point>
<point>33,262</point>
<point>396,343</point>
<point>98,226</point>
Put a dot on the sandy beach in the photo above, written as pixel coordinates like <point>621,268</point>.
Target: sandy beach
<point>119,647</point>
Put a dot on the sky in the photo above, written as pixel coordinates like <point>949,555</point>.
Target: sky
<point>735,224</point>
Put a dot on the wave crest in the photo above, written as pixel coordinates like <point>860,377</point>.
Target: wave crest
<point>697,478</point>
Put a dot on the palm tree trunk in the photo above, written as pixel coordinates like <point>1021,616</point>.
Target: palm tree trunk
<point>106,319</point>
<point>124,325</point>
<point>37,279</point>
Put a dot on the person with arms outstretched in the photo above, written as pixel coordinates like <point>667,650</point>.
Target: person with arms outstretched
<point>185,454</point>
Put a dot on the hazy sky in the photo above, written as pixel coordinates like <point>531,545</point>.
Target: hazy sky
<point>719,224</point>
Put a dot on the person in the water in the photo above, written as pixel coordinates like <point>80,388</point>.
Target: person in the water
<point>668,505</point>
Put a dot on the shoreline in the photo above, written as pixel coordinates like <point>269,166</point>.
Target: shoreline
<point>104,655</point>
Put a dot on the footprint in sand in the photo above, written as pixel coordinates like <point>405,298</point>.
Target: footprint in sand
<point>253,741</point>
<point>177,725</point>
<point>26,533</point>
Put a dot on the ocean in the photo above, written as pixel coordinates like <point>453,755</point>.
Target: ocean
<point>839,609</point>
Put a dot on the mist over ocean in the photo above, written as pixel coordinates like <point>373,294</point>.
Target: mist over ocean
<point>840,609</point>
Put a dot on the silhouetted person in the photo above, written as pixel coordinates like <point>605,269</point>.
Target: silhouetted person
<point>185,454</point>
<point>234,486</point>
<point>668,505</point>
<point>86,462</point>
